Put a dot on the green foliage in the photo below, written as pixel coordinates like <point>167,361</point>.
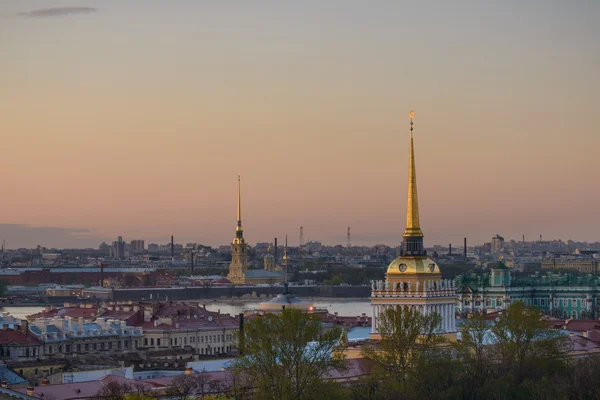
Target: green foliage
<point>407,338</point>
<point>280,362</point>
<point>523,343</point>
<point>3,286</point>
<point>137,396</point>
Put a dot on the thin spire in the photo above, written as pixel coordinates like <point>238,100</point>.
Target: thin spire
<point>285,249</point>
<point>239,209</point>
<point>413,227</point>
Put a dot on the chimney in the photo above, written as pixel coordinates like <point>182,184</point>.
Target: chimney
<point>101,275</point>
<point>585,334</point>
<point>450,249</point>
<point>24,326</point>
<point>30,391</point>
<point>4,327</point>
<point>275,254</point>
<point>188,370</point>
<point>45,382</point>
<point>172,248</point>
<point>465,252</point>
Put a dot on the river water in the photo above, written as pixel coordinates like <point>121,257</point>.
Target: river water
<point>348,308</point>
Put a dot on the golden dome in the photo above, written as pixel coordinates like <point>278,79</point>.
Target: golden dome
<point>413,265</point>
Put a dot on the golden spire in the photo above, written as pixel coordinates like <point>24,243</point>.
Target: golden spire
<point>285,257</point>
<point>413,227</point>
<point>239,211</point>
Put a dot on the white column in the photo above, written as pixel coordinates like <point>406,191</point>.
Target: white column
<point>373,321</point>
<point>448,320</point>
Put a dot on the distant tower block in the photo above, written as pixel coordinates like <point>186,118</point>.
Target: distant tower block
<point>301,243</point>
<point>348,239</point>
<point>465,249</point>
<point>523,239</point>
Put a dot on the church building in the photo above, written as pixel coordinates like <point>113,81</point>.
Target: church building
<point>413,279</point>
<point>239,274</point>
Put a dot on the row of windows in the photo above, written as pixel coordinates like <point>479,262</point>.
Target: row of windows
<point>87,347</point>
<point>215,350</point>
<point>192,340</point>
<point>542,302</point>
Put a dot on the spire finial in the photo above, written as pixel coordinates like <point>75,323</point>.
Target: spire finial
<point>412,206</point>
<point>239,210</point>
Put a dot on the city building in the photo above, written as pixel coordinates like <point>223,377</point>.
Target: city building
<point>413,279</point>
<point>18,344</point>
<point>497,245</point>
<point>68,337</point>
<point>137,246</point>
<point>189,329</point>
<point>118,248</point>
<point>556,294</point>
<point>585,265</point>
<point>239,273</point>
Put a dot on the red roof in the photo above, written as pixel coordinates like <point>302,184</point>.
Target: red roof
<point>580,325</point>
<point>12,336</point>
<point>73,312</point>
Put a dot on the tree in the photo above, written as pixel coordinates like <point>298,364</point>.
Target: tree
<point>3,286</point>
<point>288,355</point>
<point>524,345</point>
<point>406,337</point>
<point>183,387</point>
<point>472,351</point>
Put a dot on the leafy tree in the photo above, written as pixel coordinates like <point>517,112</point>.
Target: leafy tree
<point>524,345</point>
<point>288,355</point>
<point>473,352</point>
<point>3,286</point>
<point>406,337</point>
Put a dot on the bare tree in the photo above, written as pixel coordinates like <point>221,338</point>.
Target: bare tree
<point>183,387</point>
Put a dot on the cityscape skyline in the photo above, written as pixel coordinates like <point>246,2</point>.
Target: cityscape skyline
<point>100,140</point>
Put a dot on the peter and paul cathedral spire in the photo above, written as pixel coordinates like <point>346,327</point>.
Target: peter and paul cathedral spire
<point>413,236</point>
<point>239,232</point>
<point>239,251</point>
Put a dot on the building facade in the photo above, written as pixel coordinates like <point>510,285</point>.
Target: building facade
<point>413,280</point>
<point>556,294</point>
<point>497,245</point>
<point>585,265</point>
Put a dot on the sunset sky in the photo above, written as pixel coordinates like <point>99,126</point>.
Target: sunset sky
<point>134,118</point>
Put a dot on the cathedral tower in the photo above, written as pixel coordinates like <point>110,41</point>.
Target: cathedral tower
<point>239,250</point>
<point>413,279</point>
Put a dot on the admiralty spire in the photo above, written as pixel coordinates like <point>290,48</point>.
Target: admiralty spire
<point>413,279</point>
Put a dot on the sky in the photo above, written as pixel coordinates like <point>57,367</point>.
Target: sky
<point>135,118</point>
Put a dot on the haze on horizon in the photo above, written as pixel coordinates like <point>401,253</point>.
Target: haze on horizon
<point>135,118</point>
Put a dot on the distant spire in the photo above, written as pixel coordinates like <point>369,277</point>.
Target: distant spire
<point>239,208</point>
<point>413,227</point>
<point>285,257</point>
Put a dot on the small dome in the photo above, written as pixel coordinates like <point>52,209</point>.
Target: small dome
<point>406,265</point>
<point>500,265</point>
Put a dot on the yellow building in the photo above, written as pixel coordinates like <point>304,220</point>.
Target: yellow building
<point>414,280</point>
<point>238,269</point>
